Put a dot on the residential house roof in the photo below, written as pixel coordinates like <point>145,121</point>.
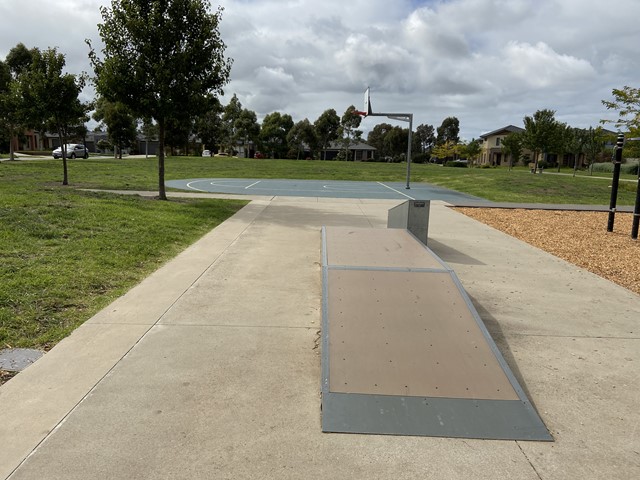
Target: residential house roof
<point>352,146</point>
<point>501,131</point>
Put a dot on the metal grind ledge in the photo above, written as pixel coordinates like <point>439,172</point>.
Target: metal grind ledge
<point>404,351</point>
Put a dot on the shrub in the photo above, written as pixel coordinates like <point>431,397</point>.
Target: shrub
<point>602,167</point>
<point>628,168</point>
<point>421,158</point>
<point>455,163</point>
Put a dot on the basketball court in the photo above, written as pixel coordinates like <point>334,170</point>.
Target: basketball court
<point>324,188</point>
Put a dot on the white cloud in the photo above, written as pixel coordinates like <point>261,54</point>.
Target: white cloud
<point>488,62</point>
<point>539,66</point>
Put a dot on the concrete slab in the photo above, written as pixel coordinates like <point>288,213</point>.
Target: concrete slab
<point>242,401</point>
<point>34,402</point>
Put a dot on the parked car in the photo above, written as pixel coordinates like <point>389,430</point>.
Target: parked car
<point>74,150</point>
<point>258,155</point>
<point>206,153</point>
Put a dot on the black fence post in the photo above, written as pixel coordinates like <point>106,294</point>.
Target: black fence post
<point>615,182</point>
<point>636,211</point>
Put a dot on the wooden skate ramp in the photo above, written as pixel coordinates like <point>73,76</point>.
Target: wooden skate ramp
<point>404,350</point>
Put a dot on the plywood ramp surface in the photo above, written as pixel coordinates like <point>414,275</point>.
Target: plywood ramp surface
<point>404,351</point>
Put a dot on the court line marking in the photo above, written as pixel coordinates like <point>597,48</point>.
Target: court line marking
<point>390,188</point>
<point>194,188</point>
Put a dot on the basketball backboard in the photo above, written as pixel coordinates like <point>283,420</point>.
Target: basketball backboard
<point>367,102</point>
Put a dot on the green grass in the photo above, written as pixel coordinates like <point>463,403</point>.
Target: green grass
<point>497,184</point>
<point>65,253</point>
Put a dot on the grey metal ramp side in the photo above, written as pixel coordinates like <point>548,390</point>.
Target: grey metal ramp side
<point>404,350</point>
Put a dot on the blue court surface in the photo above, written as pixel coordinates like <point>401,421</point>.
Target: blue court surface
<point>324,188</point>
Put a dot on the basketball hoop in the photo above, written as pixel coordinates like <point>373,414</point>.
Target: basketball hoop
<point>362,114</point>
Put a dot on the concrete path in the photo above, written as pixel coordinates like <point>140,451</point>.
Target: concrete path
<point>210,368</point>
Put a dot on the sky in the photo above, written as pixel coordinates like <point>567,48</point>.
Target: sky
<point>487,62</point>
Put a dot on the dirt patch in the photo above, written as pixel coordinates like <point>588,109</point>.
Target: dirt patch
<point>580,238</point>
<point>6,376</point>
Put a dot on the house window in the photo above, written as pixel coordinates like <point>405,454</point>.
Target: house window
<point>498,141</point>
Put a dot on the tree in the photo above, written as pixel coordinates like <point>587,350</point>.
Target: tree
<point>447,150</point>
<point>231,114</point>
<point>448,131</point>
<point>349,122</point>
<point>149,132</point>
<point>540,133</point>
<point>472,150</point>
<point>273,133</point>
<point>627,102</point>
<point>326,127</point>
<point>13,108</point>
<point>594,145</point>
<point>426,136</point>
<point>302,134</point>
<point>53,98</point>
<point>395,143</point>
<point>512,146</point>
<point>208,125</point>
<point>162,58</point>
<point>247,128</point>
<point>376,138</point>
<point>120,123</point>
<point>564,139</point>
<point>577,144</point>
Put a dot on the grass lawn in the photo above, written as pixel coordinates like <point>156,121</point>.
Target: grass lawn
<point>65,254</point>
<point>497,184</point>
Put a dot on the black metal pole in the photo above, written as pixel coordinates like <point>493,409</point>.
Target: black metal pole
<point>636,213</point>
<point>615,182</point>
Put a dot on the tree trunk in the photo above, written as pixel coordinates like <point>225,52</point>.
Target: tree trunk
<point>11,149</point>
<point>162,194</point>
<point>63,149</point>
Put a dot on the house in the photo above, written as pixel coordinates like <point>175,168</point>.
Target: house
<point>492,146</point>
<point>358,151</point>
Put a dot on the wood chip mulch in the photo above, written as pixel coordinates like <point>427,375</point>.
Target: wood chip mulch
<point>580,238</point>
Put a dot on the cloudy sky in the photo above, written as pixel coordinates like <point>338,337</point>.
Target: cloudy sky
<point>487,62</point>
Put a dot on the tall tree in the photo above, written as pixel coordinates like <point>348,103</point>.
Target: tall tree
<point>120,122</point>
<point>512,146</point>
<point>472,150</point>
<point>13,108</point>
<point>540,133</point>
<point>302,134</point>
<point>594,145</point>
<point>162,58</point>
<point>209,126</point>
<point>230,116</point>
<point>426,136</point>
<point>576,145</point>
<point>53,97</point>
<point>149,131</point>
<point>247,128</point>
<point>349,123</point>
<point>376,138</point>
<point>395,142</point>
<point>448,131</point>
<point>326,127</point>
<point>273,133</point>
